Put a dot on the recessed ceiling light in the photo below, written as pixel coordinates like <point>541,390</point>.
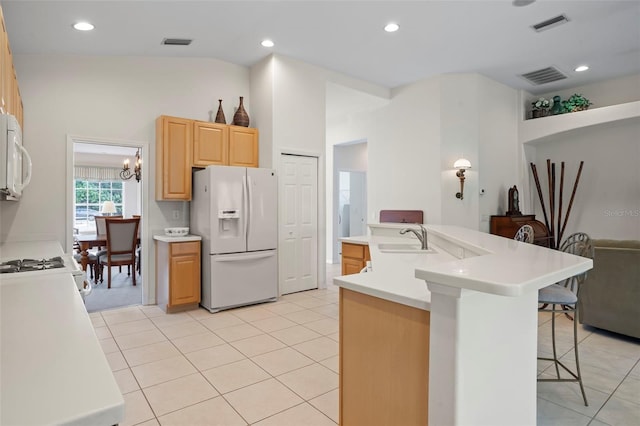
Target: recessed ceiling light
<point>582,68</point>
<point>392,27</point>
<point>267,43</point>
<point>520,3</point>
<point>83,26</point>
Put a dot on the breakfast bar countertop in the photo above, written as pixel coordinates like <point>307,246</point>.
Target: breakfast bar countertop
<point>464,259</point>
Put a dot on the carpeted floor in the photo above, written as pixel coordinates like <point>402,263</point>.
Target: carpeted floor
<point>122,292</point>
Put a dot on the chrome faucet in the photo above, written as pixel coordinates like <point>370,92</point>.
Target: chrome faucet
<point>422,235</point>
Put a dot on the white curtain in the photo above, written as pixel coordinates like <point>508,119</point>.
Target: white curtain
<point>96,173</point>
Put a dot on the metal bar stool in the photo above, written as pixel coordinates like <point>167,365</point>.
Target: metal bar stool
<point>563,298</point>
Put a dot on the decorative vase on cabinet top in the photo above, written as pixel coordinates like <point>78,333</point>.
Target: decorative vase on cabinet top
<point>220,118</point>
<point>241,118</point>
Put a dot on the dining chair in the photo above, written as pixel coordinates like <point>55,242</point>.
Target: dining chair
<point>92,261</point>
<point>525,234</point>
<point>101,225</point>
<point>101,229</point>
<point>139,249</point>
<point>562,298</point>
<point>122,238</point>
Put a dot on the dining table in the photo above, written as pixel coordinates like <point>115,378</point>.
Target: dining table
<point>88,241</point>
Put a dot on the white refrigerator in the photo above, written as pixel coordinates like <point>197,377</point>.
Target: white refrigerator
<point>235,211</point>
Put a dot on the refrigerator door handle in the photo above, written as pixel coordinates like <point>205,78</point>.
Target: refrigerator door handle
<point>244,256</point>
<point>249,205</point>
<point>245,196</point>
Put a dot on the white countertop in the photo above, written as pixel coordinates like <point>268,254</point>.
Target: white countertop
<point>393,276</point>
<point>53,370</point>
<point>465,259</point>
<point>29,249</point>
<point>362,240</point>
<point>509,267</point>
<point>183,239</point>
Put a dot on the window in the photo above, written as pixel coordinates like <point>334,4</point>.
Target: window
<point>89,196</point>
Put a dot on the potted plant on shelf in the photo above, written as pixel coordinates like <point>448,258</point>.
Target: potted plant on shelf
<point>576,102</point>
<point>540,108</point>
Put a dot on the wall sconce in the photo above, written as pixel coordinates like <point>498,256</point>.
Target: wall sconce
<point>126,173</point>
<point>461,164</point>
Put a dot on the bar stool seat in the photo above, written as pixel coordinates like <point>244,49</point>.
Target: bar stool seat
<point>558,294</point>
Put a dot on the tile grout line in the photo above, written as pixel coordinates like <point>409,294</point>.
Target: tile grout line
<point>613,392</point>
<point>231,344</point>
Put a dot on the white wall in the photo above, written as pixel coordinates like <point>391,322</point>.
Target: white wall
<point>352,157</point>
<point>415,139</point>
<point>298,108</point>
<point>607,200</point>
<point>404,152</point>
<point>460,111</point>
<point>116,98</point>
<point>604,93</point>
<point>261,76</point>
<point>479,123</point>
<point>500,158</point>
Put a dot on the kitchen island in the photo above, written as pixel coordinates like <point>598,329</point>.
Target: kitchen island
<point>478,294</point>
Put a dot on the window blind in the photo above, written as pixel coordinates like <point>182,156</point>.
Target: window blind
<point>96,173</point>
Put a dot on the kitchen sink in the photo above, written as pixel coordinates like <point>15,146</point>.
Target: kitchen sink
<point>403,248</point>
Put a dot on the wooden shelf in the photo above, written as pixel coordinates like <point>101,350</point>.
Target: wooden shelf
<point>543,129</point>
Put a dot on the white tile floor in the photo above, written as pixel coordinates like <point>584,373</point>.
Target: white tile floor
<point>277,364</point>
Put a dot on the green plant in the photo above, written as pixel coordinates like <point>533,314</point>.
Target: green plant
<point>576,102</point>
<point>540,104</point>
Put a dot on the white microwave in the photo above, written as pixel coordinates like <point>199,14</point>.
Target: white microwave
<point>12,157</point>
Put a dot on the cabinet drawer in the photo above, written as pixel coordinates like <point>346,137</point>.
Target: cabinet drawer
<point>185,248</point>
<point>353,250</point>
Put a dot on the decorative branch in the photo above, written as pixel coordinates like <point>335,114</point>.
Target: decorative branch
<point>551,177</point>
<point>540,197</point>
<point>573,194</point>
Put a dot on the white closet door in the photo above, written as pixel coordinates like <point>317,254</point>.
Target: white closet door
<point>298,243</point>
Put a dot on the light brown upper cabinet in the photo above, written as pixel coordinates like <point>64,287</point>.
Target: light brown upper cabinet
<point>222,144</point>
<point>173,158</point>
<point>243,146</point>
<point>10,99</point>
<point>210,144</point>
<point>182,143</point>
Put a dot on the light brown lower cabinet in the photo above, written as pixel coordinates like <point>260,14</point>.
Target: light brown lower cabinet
<point>178,275</point>
<point>384,362</point>
<point>354,258</point>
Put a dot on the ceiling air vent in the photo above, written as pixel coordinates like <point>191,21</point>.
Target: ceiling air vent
<point>176,41</point>
<point>550,23</point>
<point>545,75</point>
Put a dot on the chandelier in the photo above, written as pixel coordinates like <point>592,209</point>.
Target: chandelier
<point>126,172</point>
